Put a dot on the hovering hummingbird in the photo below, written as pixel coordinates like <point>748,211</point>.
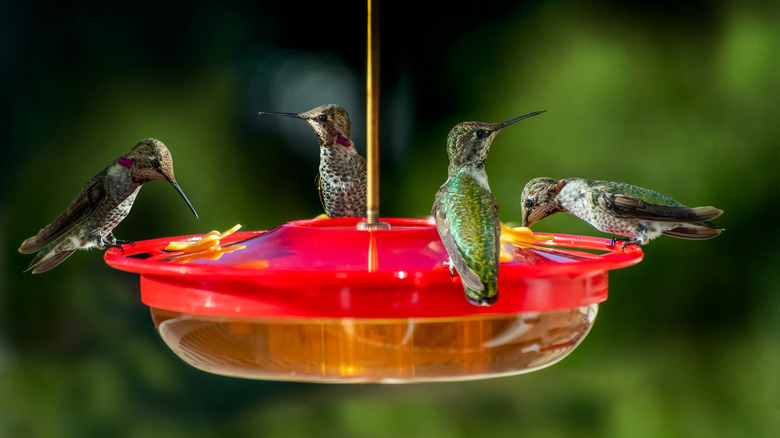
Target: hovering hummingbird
<point>466,213</point>
<point>342,176</point>
<point>100,206</point>
<point>613,207</point>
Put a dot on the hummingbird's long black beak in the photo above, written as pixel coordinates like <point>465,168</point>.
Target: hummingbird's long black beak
<point>293,115</point>
<point>517,119</point>
<point>178,189</point>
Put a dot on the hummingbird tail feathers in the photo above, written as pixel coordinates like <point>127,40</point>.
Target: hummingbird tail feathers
<point>485,297</point>
<point>700,231</point>
<point>48,259</point>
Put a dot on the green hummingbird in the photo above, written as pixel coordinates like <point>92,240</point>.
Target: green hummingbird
<point>466,212</point>
<point>107,198</point>
<point>342,175</point>
<point>637,213</point>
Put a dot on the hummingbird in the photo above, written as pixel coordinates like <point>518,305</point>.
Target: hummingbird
<point>466,212</point>
<point>637,213</point>
<point>100,206</point>
<point>342,176</point>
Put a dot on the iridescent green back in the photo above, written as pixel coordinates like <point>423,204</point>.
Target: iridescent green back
<point>473,215</point>
<point>646,195</point>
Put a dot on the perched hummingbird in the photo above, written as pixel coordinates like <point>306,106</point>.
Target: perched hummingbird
<point>342,176</point>
<point>101,205</point>
<point>466,213</point>
<point>613,207</point>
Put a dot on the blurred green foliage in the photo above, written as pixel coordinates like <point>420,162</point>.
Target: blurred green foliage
<point>678,97</point>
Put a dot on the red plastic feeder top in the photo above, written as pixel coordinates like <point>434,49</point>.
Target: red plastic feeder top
<point>329,269</point>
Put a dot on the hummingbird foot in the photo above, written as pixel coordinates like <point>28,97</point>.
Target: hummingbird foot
<point>631,242</point>
<point>118,244</point>
<point>452,268</point>
<point>625,242</point>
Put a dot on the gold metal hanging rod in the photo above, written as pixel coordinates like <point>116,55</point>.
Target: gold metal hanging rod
<point>372,121</point>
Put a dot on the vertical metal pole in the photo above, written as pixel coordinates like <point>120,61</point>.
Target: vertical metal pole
<point>372,121</point>
<point>372,111</point>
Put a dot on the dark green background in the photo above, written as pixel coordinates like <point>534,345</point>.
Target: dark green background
<point>680,97</point>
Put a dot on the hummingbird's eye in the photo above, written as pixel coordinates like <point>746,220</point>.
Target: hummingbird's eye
<point>155,163</point>
<point>480,133</point>
<point>529,203</point>
<point>322,117</point>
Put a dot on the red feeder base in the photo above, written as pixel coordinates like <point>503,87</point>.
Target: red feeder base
<point>319,300</point>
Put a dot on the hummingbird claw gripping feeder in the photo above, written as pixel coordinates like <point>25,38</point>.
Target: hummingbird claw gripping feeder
<point>352,300</point>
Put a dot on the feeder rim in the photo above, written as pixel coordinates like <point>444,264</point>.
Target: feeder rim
<point>121,258</point>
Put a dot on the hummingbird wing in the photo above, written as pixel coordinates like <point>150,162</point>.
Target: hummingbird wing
<point>80,209</point>
<point>318,182</point>
<point>631,207</point>
<point>468,276</point>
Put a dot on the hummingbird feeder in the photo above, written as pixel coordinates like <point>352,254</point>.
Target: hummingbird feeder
<point>367,300</point>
